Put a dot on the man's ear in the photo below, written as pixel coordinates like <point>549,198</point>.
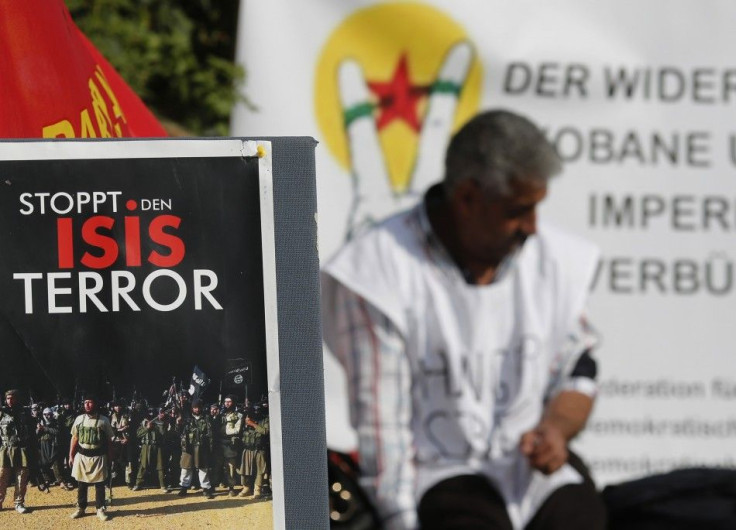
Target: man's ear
<point>465,197</point>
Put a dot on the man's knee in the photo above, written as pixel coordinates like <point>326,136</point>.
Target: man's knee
<point>467,502</point>
<point>572,507</point>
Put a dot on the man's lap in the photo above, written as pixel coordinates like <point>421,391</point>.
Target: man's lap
<point>471,502</point>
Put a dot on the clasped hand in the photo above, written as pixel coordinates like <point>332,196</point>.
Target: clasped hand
<point>545,447</point>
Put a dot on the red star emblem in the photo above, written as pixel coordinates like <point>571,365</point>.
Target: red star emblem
<point>398,98</point>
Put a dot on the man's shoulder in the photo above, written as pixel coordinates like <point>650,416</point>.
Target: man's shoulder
<point>77,423</point>
<point>394,230</point>
<point>394,239</point>
<point>378,265</point>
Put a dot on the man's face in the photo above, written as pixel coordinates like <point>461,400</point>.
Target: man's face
<point>116,408</point>
<point>161,415</point>
<point>228,403</point>
<point>491,228</point>
<point>214,411</point>
<point>89,406</point>
<point>10,400</point>
<point>196,410</point>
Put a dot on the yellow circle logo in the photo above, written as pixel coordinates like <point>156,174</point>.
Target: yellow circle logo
<point>392,82</point>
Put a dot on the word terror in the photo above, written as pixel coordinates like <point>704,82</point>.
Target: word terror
<point>162,290</point>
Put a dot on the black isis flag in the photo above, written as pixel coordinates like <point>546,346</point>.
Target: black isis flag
<point>198,383</point>
<point>238,373</point>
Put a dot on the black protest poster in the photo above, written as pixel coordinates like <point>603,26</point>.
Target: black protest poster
<point>134,270</point>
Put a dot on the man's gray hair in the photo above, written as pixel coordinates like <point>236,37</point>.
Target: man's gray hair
<point>498,147</point>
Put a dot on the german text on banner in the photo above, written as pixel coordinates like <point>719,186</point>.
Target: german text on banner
<point>640,103</point>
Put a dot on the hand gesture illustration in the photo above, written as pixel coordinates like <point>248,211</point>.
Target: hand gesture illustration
<point>373,197</point>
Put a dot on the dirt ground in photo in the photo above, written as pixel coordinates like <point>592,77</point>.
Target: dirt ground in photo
<point>149,508</point>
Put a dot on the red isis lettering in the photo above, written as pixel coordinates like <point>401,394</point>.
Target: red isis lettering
<point>96,232</point>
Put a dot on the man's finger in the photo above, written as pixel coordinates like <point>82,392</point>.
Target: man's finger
<point>548,460</point>
<point>438,121</point>
<point>366,157</point>
<point>528,443</point>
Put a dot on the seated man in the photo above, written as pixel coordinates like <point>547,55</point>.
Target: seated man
<point>461,326</point>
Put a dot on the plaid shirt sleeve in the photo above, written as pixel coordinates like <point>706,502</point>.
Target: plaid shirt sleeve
<point>373,353</point>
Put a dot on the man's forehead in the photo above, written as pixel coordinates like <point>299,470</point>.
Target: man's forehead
<point>524,193</point>
<point>527,187</point>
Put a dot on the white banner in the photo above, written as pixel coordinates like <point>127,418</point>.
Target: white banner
<point>638,97</point>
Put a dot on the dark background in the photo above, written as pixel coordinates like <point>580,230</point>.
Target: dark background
<point>50,355</point>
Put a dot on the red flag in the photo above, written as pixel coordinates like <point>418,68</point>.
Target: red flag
<point>54,83</point>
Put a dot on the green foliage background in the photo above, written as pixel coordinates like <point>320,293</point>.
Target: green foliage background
<point>176,54</point>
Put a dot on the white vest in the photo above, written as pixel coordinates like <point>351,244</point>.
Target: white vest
<point>483,358</point>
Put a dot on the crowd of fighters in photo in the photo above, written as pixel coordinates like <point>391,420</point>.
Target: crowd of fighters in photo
<point>178,446</point>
